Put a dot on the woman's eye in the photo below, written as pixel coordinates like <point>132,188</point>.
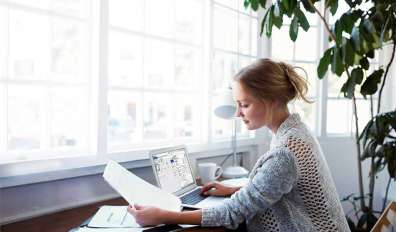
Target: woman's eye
<point>244,106</point>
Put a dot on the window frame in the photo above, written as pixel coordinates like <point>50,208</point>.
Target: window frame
<point>38,170</point>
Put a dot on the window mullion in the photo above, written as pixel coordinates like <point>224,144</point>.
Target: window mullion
<point>263,42</point>
<point>209,50</point>
<point>4,97</point>
<point>323,87</point>
<point>103,79</point>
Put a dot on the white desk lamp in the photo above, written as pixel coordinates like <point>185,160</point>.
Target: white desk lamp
<point>225,108</point>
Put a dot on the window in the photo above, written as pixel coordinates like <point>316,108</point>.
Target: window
<point>234,47</point>
<point>155,67</point>
<point>163,60</point>
<point>44,82</point>
<point>342,122</point>
<point>303,53</point>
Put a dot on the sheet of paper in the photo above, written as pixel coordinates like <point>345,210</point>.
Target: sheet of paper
<point>210,202</point>
<point>135,190</point>
<point>237,182</point>
<point>113,216</point>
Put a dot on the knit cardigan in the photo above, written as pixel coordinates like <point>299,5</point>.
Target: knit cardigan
<point>290,189</point>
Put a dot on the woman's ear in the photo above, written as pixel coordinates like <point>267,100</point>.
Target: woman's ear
<point>269,104</point>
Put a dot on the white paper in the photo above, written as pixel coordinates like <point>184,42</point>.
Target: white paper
<point>237,182</point>
<point>137,191</point>
<point>210,201</point>
<point>113,216</point>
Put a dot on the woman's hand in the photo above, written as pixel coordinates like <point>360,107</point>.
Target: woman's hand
<point>217,189</point>
<point>147,215</point>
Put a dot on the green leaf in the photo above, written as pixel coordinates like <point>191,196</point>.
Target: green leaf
<point>379,164</point>
<point>254,4</point>
<point>308,6</point>
<point>333,4</point>
<point>302,19</point>
<point>337,66</point>
<point>369,26</point>
<point>369,149</point>
<point>348,53</point>
<point>338,33</point>
<point>324,63</point>
<point>385,35</point>
<point>356,58</point>
<point>286,5</point>
<point>263,3</point>
<point>246,3</point>
<point>357,75</point>
<point>370,54</point>
<point>355,38</point>
<point>263,23</point>
<point>364,46</point>
<point>278,15</point>
<point>293,30</point>
<point>348,88</point>
<point>367,30</point>
<point>289,6</point>
<point>390,157</point>
<point>365,133</point>
<point>370,85</point>
<point>364,63</point>
<point>347,22</point>
<point>277,9</point>
<point>353,3</point>
<point>270,22</point>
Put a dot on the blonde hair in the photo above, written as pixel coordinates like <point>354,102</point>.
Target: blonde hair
<point>266,79</point>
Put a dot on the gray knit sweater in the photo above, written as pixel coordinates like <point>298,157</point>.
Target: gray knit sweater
<point>290,189</point>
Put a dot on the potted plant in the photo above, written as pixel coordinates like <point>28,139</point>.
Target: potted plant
<point>366,27</point>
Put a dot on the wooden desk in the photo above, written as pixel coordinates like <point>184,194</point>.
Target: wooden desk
<point>68,219</point>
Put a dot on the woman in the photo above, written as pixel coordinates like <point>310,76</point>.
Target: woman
<point>290,187</point>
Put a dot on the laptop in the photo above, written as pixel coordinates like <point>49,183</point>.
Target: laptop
<point>173,173</point>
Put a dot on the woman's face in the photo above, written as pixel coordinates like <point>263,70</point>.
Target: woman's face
<point>253,112</point>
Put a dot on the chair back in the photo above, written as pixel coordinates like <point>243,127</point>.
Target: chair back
<point>387,220</point>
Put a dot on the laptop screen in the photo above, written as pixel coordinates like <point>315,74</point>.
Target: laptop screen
<point>173,170</point>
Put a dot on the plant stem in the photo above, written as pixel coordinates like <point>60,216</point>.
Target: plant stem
<point>386,193</point>
<point>385,75</point>
<point>359,163</point>
<point>324,21</point>
<point>371,184</point>
<point>371,173</point>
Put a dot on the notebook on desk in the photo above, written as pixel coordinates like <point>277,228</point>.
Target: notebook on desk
<point>173,173</point>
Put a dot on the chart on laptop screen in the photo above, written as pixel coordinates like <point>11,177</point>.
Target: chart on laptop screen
<point>173,170</point>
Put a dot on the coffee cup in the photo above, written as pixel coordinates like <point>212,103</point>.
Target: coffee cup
<point>209,172</point>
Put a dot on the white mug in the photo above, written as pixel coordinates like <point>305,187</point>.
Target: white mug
<point>209,172</point>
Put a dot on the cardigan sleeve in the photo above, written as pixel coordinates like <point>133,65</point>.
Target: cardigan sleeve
<point>274,178</point>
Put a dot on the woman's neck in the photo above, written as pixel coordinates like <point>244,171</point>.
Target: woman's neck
<point>278,119</point>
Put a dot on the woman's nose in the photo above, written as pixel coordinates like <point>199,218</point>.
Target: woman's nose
<point>237,112</point>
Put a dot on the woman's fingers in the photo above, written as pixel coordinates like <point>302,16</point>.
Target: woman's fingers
<point>132,210</point>
<point>208,187</point>
<point>138,207</point>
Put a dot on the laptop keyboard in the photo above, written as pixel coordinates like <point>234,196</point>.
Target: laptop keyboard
<point>193,197</point>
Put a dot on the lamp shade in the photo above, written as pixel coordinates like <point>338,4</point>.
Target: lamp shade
<point>224,105</point>
<point>225,108</point>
